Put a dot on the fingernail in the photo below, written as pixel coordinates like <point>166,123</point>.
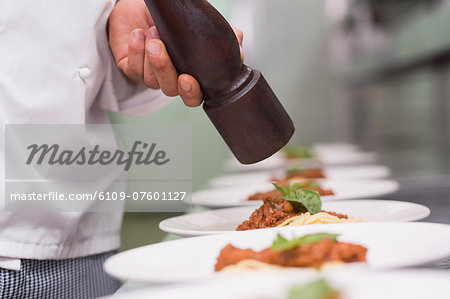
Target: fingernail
<point>153,32</point>
<point>154,49</point>
<point>185,86</point>
<point>138,34</point>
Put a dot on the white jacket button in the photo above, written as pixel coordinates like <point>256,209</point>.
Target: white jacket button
<point>84,73</point>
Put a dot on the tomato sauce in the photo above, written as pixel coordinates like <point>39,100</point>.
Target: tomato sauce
<point>273,212</point>
<point>307,255</point>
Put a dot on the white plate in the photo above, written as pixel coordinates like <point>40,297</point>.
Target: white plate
<point>338,172</point>
<point>411,284</point>
<point>326,158</point>
<point>335,146</point>
<point>343,189</point>
<point>226,220</point>
<point>390,245</point>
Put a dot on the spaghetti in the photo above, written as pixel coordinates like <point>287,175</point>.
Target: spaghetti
<point>319,218</point>
<point>279,212</point>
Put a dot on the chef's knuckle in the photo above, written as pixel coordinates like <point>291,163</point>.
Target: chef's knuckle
<point>159,64</point>
<point>170,91</point>
<point>151,81</point>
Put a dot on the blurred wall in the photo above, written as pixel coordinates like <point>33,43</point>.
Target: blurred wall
<point>394,71</point>
<point>289,44</point>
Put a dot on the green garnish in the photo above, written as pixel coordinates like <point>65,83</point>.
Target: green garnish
<point>282,243</point>
<point>298,151</point>
<point>294,170</point>
<point>288,189</point>
<point>318,289</point>
<point>308,198</point>
<point>311,184</point>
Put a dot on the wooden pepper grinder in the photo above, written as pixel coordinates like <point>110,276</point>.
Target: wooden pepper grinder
<point>237,99</point>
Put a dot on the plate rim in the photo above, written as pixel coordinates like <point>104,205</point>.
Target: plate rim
<point>382,168</point>
<point>192,233</point>
<point>111,270</point>
<point>401,274</point>
<point>393,184</point>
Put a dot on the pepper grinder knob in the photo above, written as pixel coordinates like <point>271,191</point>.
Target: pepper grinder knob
<point>237,99</point>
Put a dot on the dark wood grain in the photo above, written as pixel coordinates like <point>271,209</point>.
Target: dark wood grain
<point>237,99</point>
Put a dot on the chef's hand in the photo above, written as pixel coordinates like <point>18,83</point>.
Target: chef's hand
<point>142,56</point>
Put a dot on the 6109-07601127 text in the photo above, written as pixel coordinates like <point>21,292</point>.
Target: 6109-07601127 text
<point>140,154</point>
<point>100,195</point>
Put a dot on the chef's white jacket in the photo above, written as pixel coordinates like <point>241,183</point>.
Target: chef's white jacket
<point>56,68</point>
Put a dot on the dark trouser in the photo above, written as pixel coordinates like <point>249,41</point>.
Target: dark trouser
<point>77,278</point>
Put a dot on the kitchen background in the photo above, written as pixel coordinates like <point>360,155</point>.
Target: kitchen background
<point>371,72</point>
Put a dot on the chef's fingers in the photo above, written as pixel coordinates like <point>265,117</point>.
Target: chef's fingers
<point>161,65</point>
<point>136,53</point>
<point>240,38</point>
<point>239,35</point>
<point>149,76</point>
<point>189,90</point>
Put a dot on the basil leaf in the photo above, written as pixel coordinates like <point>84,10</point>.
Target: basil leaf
<point>298,151</point>
<point>283,190</point>
<point>318,289</point>
<point>294,186</point>
<point>312,184</point>
<point>308,198</point>
<point>282,243</point>
<point>294,170</point>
